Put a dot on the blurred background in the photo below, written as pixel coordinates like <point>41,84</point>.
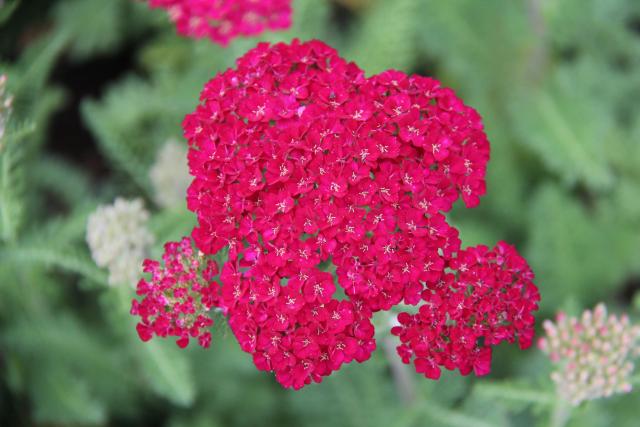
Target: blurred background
<point>101,86</point>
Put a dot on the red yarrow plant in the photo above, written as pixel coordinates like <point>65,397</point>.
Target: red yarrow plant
<point>223,20</point>
<point>303,165</point>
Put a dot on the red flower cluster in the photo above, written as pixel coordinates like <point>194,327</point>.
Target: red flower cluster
<point>179,296</point>
<point>298,330</point>
<point>301,163</point>
<point>223,20</point>
<point>486,299</point>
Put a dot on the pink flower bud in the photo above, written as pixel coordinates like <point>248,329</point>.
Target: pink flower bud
<point>592,365</point>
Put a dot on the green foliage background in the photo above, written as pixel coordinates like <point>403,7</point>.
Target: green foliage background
<point>558,85</point>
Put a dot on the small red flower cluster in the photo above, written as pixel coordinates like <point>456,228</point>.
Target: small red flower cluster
<point>178,297</point>
<point>301,163</point>
<point>487,298</point>
<point>223,20</point>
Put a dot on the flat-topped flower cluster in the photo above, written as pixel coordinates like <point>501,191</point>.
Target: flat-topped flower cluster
<point>179,295</point>
<point>119,239</point>
<point>593,354</point>
<point>301,165</point>
<point>223,20</point>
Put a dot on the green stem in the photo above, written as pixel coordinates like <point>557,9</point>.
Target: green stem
<point>74,261</point>
<point>402,377</point>
<point>539,58</point>
<point>561,413</point>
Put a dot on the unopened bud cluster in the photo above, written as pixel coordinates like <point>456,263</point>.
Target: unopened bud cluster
<point>119,239</point>
<point>593,353</point>
<point>6,102</point>
<point>170,175</point>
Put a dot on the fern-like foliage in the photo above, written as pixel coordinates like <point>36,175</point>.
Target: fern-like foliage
<point>119,113</point>
<point>375,51</point>
<point>7,9</point>
<point>66,181</point>
<point>167,371</point>
<point>594,239</point>
<point>570,134</point>
<point>12,181</point>
<point>119,21</point>
<point>68,259</point>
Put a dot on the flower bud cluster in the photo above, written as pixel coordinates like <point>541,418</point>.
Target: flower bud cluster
<point>119,239</point>
<point>170,175</point>
<point>593,354</point>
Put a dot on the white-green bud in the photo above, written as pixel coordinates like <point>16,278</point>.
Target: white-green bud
<point>119,239</point>
<point>170,175</point>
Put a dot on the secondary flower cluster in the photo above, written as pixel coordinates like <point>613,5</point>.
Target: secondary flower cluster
<point>6,102</point>
<point>179,296</point>
<point>487,297</point>
<point>119,239</point>
<point>170,175</point>
<point>302,164</point>
<point>223,20</point>
<point>593,354</point>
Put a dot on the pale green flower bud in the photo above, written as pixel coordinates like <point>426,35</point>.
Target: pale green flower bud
<point>119,239</point>
<point>170,175</point>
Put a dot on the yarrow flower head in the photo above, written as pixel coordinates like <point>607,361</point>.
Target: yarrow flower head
<point>6,101</point>
<point>302,164</point>
<point>170,175</point>
<point>593,354</point>
<point>119,239</point>
<point>179,295</point>
<point>223,20</point>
